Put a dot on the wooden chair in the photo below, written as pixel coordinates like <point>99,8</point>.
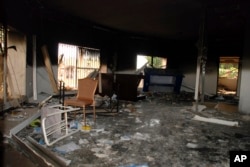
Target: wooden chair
<point>85,96</point>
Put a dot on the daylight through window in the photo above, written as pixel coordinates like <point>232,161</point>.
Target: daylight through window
<point>75,62</point>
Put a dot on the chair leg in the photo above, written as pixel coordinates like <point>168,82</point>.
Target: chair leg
<point>94,113</point>
<point>84,115</point>
<point>75,114</point>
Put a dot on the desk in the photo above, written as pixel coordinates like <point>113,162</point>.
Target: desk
<point>159,80</point>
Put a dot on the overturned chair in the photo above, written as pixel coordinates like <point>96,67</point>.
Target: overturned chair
<point>54,122</point>
<point>55,125</point>
<point>85,96</point>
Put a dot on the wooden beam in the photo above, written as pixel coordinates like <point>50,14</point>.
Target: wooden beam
<point>216,121</point>
<point>49,69</point>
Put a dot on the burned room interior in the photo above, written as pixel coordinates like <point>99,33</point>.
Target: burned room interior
<point>168,82</point>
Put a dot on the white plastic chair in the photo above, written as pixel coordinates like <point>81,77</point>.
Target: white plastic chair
<point>55,123</point>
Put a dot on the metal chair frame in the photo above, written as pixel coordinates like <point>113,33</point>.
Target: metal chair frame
<point>59,126</point>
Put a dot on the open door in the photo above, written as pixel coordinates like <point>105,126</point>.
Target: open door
<point>228,76</point>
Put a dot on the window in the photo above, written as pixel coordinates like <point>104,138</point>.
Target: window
<point>75,62</point>
<point>2,42</point>
<point>155,62</point>
<point>2,37</point>
<point>149,61</point>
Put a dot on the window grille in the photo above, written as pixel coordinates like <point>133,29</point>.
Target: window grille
<point>1,38</point>
<point>76,62</point>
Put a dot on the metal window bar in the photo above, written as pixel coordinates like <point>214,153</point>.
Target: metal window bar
<point>77,62</point>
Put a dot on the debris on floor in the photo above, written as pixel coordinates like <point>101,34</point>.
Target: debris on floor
<point>156,131</point>
<point>66,148</point>
<point>216,121</point>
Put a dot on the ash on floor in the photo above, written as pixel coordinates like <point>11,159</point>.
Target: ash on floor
<point>155,133</point>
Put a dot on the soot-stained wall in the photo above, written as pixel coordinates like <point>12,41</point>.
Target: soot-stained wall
<point>118,45</point>
<point>112,43</point>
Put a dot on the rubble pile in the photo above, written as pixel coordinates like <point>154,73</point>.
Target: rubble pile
<point>151,133</point>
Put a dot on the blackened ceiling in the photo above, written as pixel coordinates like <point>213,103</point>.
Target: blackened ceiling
<point>173,19</point>
<point>224,20</point>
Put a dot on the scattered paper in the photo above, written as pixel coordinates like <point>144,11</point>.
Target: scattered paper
<point>154,122</point>
<point>192,145</point>
<point>64,149</point>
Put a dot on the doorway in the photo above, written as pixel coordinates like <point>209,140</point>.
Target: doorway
<point>228,76</point>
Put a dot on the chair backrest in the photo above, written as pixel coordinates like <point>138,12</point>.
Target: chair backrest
<point>86,89</point>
